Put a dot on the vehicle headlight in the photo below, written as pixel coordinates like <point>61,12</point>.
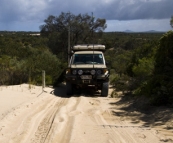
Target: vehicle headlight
<point>93,72</point>
<point>74,72</point>
<point>106,71</point>
<point>99,71</point>
<point>67,71</point>
<point>80,72</point>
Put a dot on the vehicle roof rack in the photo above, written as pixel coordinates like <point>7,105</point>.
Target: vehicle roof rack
<point>89,47</point>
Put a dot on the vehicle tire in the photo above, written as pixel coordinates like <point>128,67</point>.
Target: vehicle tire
<point>105,89</point>
<point>69,88</point>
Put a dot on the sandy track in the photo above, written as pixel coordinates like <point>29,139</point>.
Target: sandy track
<point>53,118</point>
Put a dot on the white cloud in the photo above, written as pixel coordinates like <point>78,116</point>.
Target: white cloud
<point>139,25</point>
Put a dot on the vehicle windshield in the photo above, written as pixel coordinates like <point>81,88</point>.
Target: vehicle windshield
<point>87,59</point>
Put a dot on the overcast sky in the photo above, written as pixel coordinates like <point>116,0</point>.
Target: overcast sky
<point>121,15</point>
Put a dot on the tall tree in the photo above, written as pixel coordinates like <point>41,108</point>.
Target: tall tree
<point>83,29</point>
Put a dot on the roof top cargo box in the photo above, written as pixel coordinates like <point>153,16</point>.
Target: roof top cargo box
<point>89,47</point>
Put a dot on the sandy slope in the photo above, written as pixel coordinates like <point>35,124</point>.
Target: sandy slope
<point>30,116</point>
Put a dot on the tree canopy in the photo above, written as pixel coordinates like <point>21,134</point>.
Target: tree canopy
<point>83,29</point>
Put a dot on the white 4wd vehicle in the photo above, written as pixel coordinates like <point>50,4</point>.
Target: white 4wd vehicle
<point>87,67</point>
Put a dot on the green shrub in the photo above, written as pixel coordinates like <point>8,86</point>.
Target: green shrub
<point>159,87</point>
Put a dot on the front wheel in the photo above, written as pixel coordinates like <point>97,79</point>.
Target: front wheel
<point>69,88</point>
<point>105,89</point>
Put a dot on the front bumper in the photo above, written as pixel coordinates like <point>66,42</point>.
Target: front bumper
<point>87,79</point>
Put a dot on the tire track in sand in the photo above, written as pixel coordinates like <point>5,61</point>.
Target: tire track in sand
<point>45,126</point>
<point>52,119</point>
<point>43,120</point>
<point>21,124</point>
<point>98,124</point>
<point>122,130</point>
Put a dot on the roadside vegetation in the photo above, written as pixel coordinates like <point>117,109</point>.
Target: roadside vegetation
<point>141,64</point>
<point>146,68</point>
<point>23,57</point>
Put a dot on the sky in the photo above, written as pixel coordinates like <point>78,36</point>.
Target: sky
<point>120,15</point>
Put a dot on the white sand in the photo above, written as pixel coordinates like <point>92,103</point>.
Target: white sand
<point>32,116</point>
<point>12,96</point>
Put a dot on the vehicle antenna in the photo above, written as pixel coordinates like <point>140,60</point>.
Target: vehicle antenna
<point>93,37</point>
